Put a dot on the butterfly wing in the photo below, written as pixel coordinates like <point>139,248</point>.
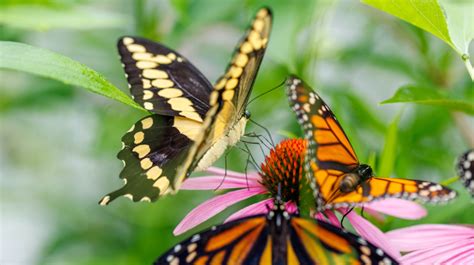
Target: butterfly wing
<point>465,169</point>
<point>163,81</point>
<point>319,242</point>
<point>329,154</point>
<point>225,121</point>
<point>242,241</point>
<point>376,188</point>
<point>152,151</point>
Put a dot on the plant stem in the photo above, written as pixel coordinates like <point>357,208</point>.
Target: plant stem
<point>467,63</point>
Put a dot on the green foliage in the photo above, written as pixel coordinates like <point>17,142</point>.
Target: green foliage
<point>42,18</point>
<point>26,58</point>
<point>427,96</point>
<point>389,152</point>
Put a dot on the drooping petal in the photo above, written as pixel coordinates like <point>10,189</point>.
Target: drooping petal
<point>332,218</point>
<point>291,207</point>
<point>445,254</point>
<point>260,207</point>
<point>230,173</point>
<point>428,236</point>
<point>397,207</point>
<point>218,183</point>
<point>371,233</point>
<point>214,206</point>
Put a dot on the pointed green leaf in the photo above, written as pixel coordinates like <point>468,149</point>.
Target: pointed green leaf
<point>427,15</point>
<point>38,61</point>
<point>460,19</point>
<point>427,96</point>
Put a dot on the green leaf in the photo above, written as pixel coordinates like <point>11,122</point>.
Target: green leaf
<point>427,15</point>
<point>426,96</point>
<point>41,18</point>
<point>387,160</point>
<point>460,19</point>
<point>38,61</point>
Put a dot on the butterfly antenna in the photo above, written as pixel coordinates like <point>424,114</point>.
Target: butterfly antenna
<point>266,92</point>
<point>266,131</point>
<point>344,216</point>
<point>362,211</point>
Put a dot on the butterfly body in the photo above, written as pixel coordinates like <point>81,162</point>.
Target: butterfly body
<point>192,121</point>
<point>277,237</point>
<point>337,177</point>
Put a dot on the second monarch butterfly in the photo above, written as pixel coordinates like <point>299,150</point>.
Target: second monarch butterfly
<point>337,177</point>
<point>192,122</point>
<point>275,238</point>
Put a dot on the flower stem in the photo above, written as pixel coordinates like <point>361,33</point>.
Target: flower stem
<point>467,62</point>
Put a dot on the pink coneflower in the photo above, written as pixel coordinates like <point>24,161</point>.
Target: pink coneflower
<point>284,165</point>
<point>435,244</point>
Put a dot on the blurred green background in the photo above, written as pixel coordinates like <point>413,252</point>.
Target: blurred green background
<point>58,143</point>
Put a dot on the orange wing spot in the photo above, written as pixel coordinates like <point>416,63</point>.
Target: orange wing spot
<point>340,134</point>
<point>241,249</point>
<point>226,237</point>
<point>333,240</point>
<point>408,185</point>
<point>303,98</point>
<point>334,172</point>
<point>218,258</point>
<point>353,197</point>
<point>201,260</point>
<point>319,122</point>
<point>291,255</point>
<point>394,187</point>
<point>267,253</point>
<point>314,166</point>
<point>325,137</point>
<point>321,174</point>
<point>335,153</point>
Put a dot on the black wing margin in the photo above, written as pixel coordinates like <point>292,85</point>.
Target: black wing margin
<point>163,81</point>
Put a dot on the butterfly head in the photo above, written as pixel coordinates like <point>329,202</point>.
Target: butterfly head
<point>247,114</point>
<point>365,172</point>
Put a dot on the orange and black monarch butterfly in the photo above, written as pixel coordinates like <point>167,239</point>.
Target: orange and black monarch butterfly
<point>192,122</point>
<point>275,238</point>
<point>337,177</point>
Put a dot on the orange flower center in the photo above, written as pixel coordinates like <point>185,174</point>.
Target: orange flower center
<point>284,166</point>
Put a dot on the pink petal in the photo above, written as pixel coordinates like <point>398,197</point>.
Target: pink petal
<point>260,207</point>
<point>371,233</point>
<point>218,183</point>
<point>230,173</point>
<point>213,206</point>
<point>397,207</point>
<point>440,255</point>
<point>333,218</point>
<point>291,207</point>
<point>428,236</point>
<point>320,216</point>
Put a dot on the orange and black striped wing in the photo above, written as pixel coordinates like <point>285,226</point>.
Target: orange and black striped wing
<point>244,241</point>
<point>152,151</point>
<point>312,242</point>
<point>465,169</point>
<point>163,81</point>
<point>379,188</point>
<point>329,153</point>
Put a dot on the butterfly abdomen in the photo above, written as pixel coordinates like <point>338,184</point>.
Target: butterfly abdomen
<point>221,144</point>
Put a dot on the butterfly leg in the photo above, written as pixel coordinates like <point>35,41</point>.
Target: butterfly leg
<point>266,131</point>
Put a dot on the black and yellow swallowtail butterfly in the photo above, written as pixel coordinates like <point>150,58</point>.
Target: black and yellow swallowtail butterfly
<point>192,122</point>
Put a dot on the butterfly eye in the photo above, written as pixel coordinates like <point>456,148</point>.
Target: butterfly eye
<point>247,114</point>
<point>365,171</point>
<point>349,182</point>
